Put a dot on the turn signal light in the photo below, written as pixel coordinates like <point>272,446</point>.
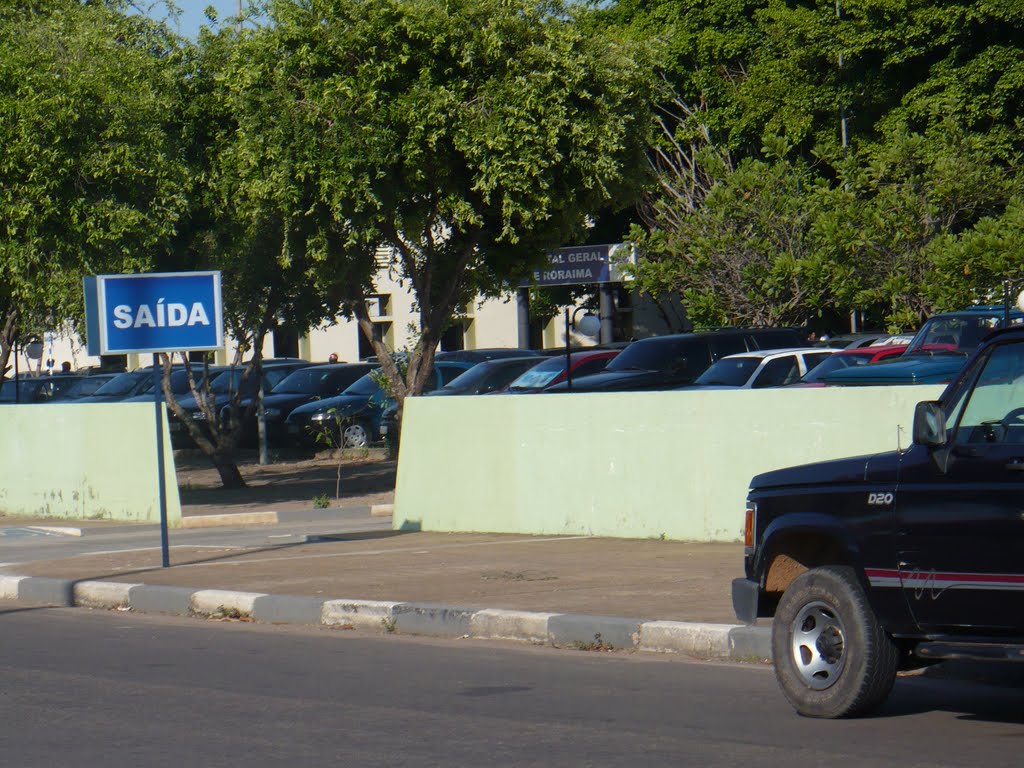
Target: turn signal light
<point>748,527</point>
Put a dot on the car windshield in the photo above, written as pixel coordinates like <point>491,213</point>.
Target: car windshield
<point>123,384</point>
<point>955,333</point>
<point>179,381</point>
<point>834,363</point>
<point>26,389</point>
<point>730,371</point>
<point>363,386</point>
<point>230,381</point>
<point>308,381</point>
<point>470,379</point>
<point>541,375</point>
<point>654,355</point>
<point>85,386</point>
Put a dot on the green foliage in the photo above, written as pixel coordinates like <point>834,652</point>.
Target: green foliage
<point>746,254</point>
<point>464,137</point>
<point>91,179</point>
<point>323,501</point>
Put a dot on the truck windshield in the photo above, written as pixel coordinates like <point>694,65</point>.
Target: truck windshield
<point>959,333</point>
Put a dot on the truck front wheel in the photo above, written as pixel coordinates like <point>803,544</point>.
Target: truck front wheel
<point>832,659</point>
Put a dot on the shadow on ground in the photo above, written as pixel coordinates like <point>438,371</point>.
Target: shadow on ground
<point>292,481</point>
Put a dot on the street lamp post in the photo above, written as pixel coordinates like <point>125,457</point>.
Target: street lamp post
<point>1009,286</point>
<point>587,327</point>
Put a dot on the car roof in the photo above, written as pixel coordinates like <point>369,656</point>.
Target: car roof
<point>872,350</point>
<point>766,353</point>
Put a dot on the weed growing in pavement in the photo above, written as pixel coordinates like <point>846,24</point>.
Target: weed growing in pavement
<point>389,624</point>
<point>230,614</point>
<point>323,501</point>
<point>598,644</point>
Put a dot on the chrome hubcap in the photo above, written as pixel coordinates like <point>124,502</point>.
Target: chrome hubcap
<point>818,646</point>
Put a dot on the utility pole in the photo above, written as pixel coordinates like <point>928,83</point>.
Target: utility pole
<point>842,107</point>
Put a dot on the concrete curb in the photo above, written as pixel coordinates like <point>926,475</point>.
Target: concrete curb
<point>233,518</point>
<point>561,630</point>
<point>382,510</point>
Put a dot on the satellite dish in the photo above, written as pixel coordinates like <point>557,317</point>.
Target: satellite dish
<point>34,350</point>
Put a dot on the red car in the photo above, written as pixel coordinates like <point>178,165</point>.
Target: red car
<point>846,358</point>
<point>552,370</point>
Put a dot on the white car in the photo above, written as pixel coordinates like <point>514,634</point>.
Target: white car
<point>764,368</point>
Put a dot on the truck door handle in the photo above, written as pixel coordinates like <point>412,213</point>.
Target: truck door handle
<point>966,452</point>
<point>1016,465</point>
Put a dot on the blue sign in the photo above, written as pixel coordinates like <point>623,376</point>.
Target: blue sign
<point>170,312</point>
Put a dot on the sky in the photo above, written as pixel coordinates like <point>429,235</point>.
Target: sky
<point>192,16</point>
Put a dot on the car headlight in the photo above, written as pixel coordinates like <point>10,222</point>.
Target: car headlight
<point>323,416</point>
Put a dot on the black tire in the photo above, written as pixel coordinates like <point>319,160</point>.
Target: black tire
<point>832,659</point>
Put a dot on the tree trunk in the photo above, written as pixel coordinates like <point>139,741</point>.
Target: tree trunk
<point>7,336</point>
<point>230,477</point>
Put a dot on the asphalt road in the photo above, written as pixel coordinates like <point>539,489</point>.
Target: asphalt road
<point>105,689</point>
<point>25,543</point>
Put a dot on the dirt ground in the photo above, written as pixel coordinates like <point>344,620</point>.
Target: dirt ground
<point>288,483</point>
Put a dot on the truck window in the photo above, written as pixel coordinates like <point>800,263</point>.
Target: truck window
<point>994,408</point>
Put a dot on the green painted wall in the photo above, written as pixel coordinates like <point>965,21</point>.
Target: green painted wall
<point>86,461</point>
<point>634,465</point>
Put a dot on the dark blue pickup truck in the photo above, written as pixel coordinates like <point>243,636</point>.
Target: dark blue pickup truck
<point>937,352</point>
<point>879,563</point>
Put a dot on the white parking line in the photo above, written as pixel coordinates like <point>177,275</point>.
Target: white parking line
<point>414,550</point>
<point>157,549</point>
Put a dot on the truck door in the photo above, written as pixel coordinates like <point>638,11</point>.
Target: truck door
<point>961,556</point>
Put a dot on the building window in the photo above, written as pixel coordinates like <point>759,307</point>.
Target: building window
<point>286,343</point>
<point>454,338</point>
<point>380,333</point>
<point>379,305</point>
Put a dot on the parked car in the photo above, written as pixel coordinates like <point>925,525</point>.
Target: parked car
<point>553,371</point>
<point>121,387</point>
<point>668,362</point>
<point>83,386</point>
<point>937,353</point>
<point>305,385</point>
<point>489,376</point>
<point>761,369</point>
<point>847,358</point>
<point>481,355</point>
<point>35,389</point>
<point>223,388</point>
<point>353,418</point>
<point>179,382</point>
<point>852,340</point>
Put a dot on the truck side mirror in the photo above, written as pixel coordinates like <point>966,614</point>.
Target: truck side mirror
<point>929,424</point>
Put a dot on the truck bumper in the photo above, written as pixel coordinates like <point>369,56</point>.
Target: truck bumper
<point>745,595</point>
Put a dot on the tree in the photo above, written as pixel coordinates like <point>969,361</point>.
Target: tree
<point>898,215</point>
<point>89,178</point>
<point>462,138</point>
<point>734,241</point>
<point>255,216</point>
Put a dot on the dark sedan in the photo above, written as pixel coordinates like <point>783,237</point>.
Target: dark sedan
<point>353,418</point>
<point>306,385</point>
<point>489,376</point>
<point>121,387</point>
<point>669,362</point>
<point>223,389</point>
<point>35,389</point>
